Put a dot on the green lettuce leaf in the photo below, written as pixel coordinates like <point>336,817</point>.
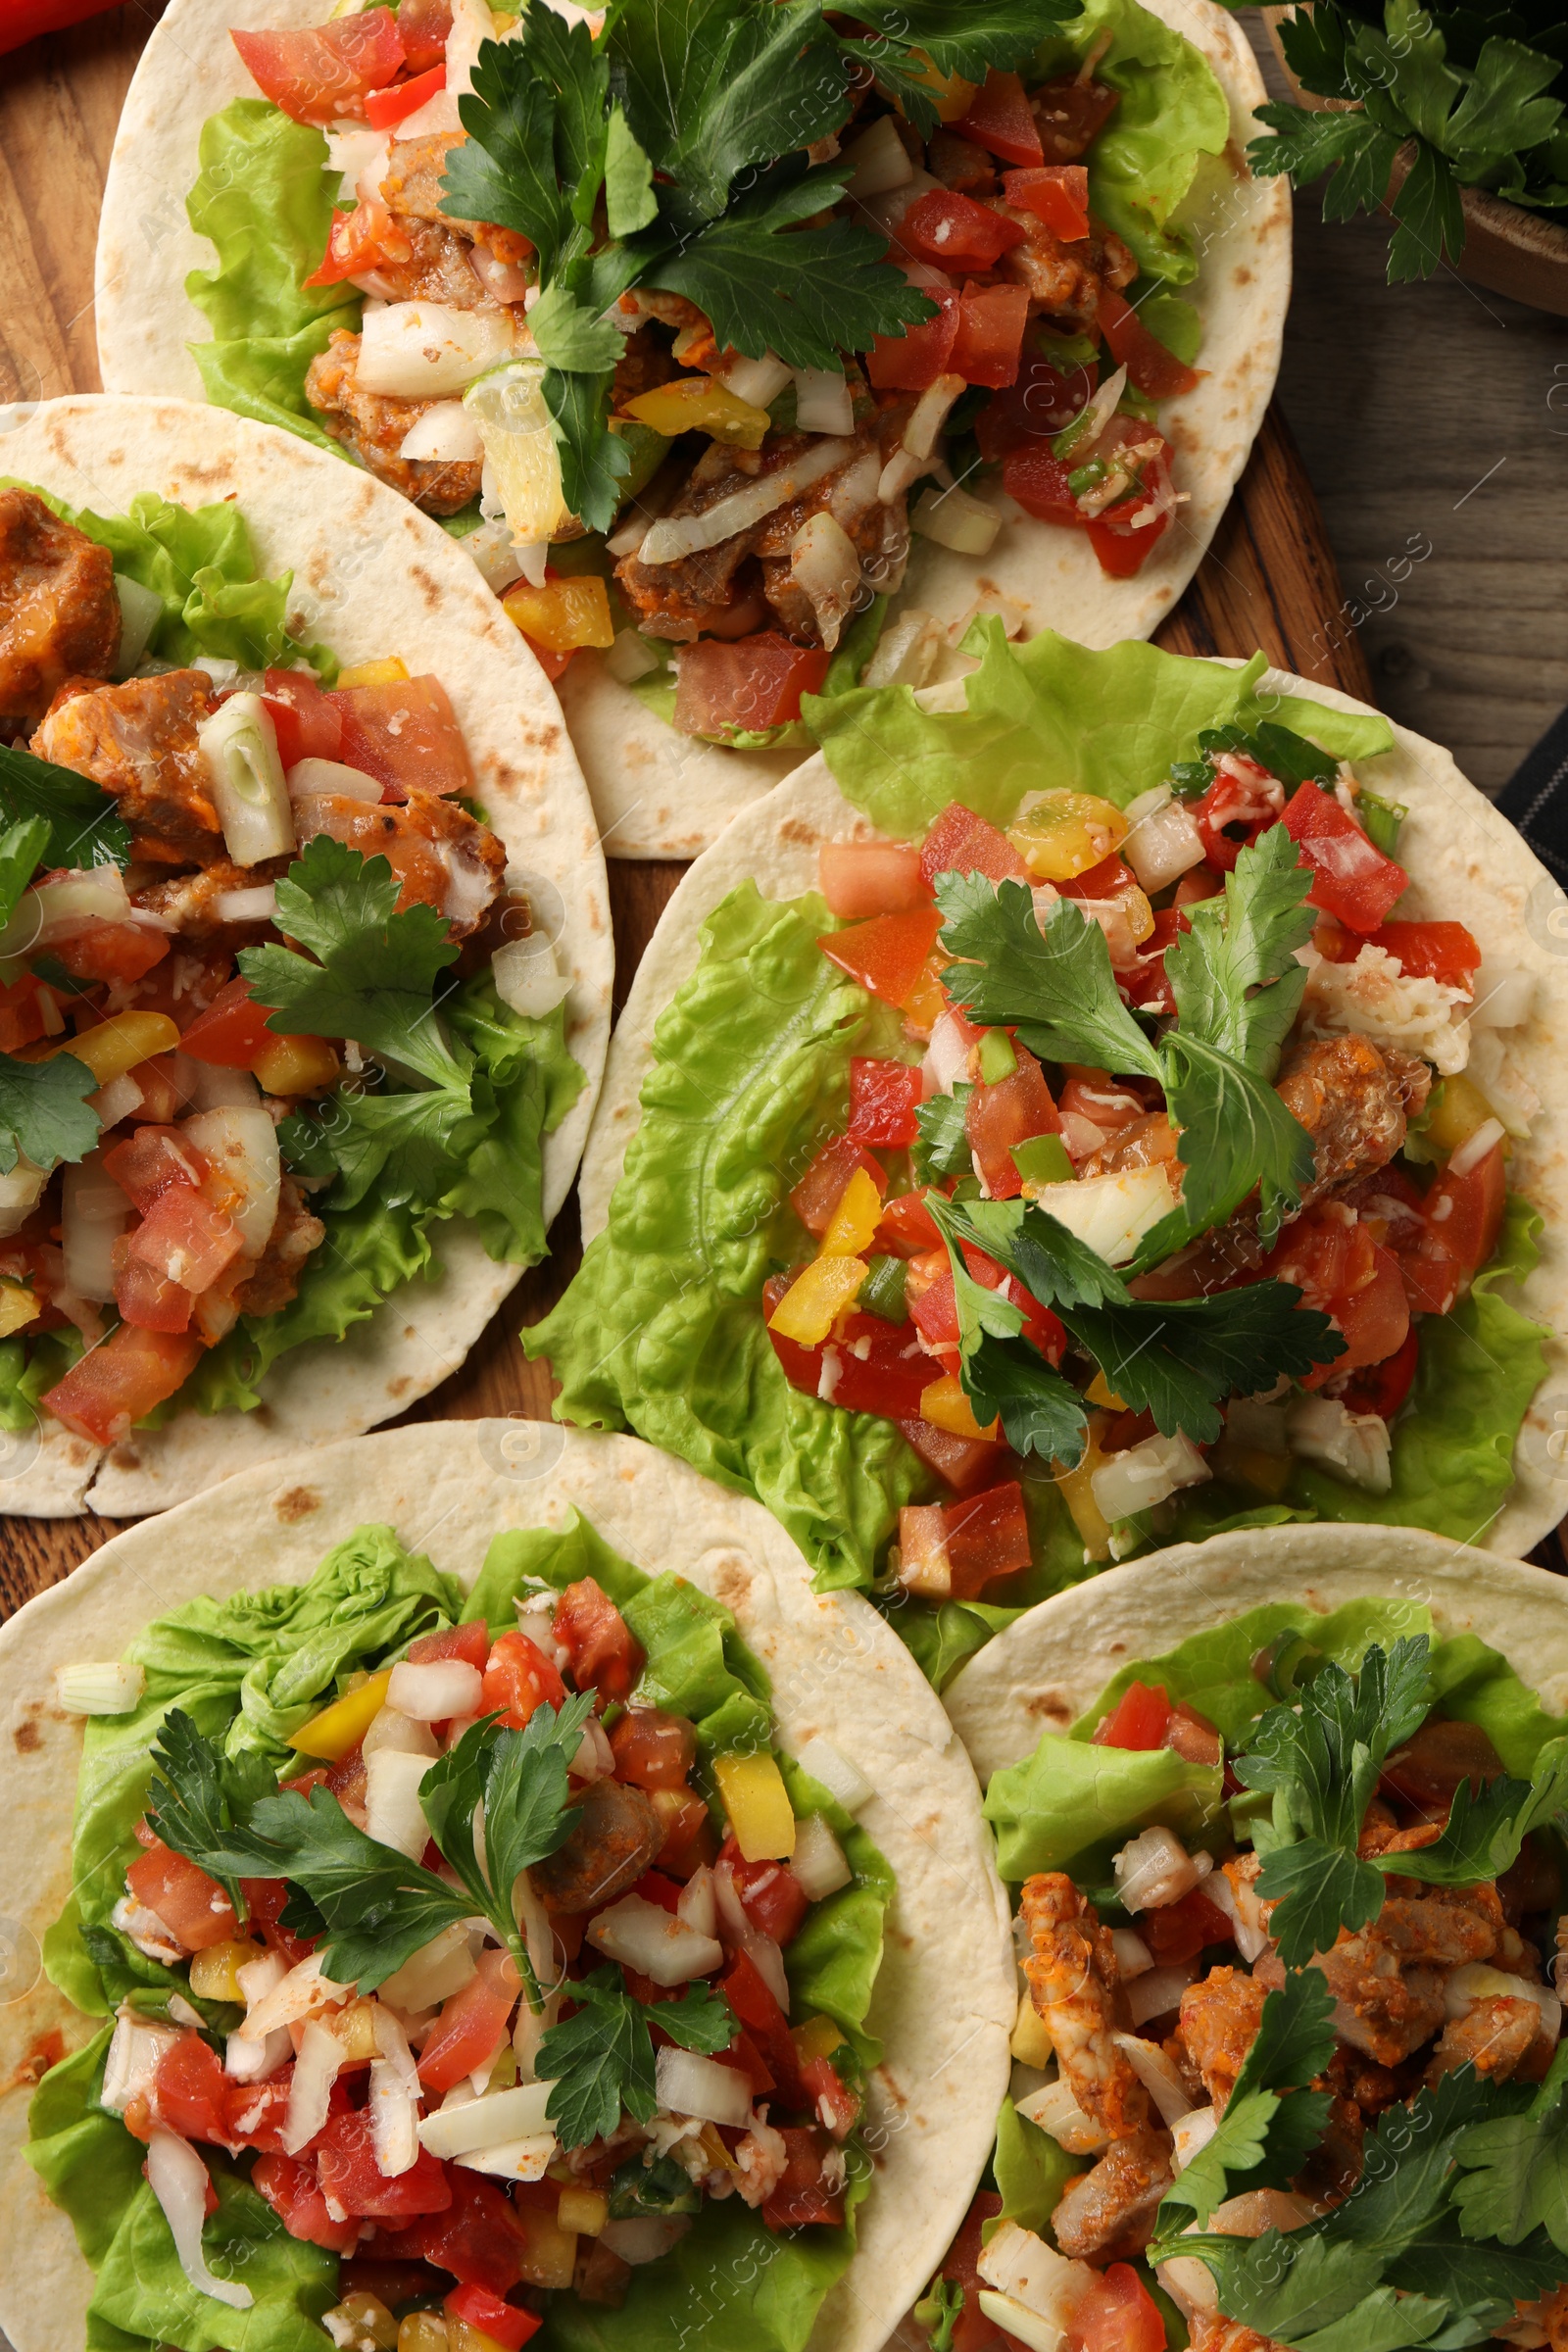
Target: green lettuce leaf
<point>142,2290</point>
<point>264,197</point>
<point>1069,1804</point>
<point>1031,2170</point>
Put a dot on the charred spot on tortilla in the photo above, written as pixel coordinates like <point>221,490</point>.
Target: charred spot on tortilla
<point>296,1503</point>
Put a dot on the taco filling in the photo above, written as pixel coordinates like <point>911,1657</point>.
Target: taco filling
<point>514,1981</point>
<point>233,894</point>
<point>1287,2054</point>
<point>1085,1180</point>
<point>728,369</point>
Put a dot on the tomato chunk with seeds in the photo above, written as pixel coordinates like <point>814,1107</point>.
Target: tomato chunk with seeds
<point>803,2197</point>
<point>988,1536</point>
<point>307,722</point>
<point>294,2194</point>
<point>349,2173</point>
<point>191,2091</point>
<point>473,2023</point>
<point>1152,366</point>
<point>912,362</point>
<point>606,1655</point>
<point>122,951</point>
<point>1119,2314</point>
<point>884,1097</point>
<point>745,684</point>
<point>962,843</point>
<point>953,232</point>
<point>1056,194</point>
<point>771,1895</point>
<point>1000,119</point>
<point>479,2239</point>
<point>518,1679</point>
<point>1352,880</point>
<point>1011,1112</point>
<point>1140,1718</point>
<point>988,347</point>
<point>231,1032</point>
<point>192,1906</point>
<point>470,1643</point>
<point>404,734</point>
<point>888,954</point>
<point>820,1190</point>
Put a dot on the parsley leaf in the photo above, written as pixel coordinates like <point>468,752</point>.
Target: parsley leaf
<point>1041,1412</point>
<point>203,1796</point>
<point>1430,217</point>
<point>86,828</point>
<point>534,155</point>
<point>910,37</point>
<point>629,201</point>
<point>1484,1833</point>
<point>594,461</point>
<point>1048,979</point>
<point>570,336</point>
<point>600,2063</point>
<point>377,1908</point>
<point>1241,941</point>
<point>1294,2038</point>
<point>1322,2297</point>
<point>407,1148</point>
<point>21,851</point>
<point>943,1144</point>
<point>1237,1135</point>
<point>1516,2168</point>
<point>44,1110</point>
<point>376,971</point>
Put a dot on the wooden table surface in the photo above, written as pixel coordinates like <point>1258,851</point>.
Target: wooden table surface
<point>1270,580</point>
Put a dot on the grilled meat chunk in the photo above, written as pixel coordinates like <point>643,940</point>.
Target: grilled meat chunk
<point>138,741</point>
<point>615,1840</point>
<point>373,426</point>
<point>1351,1099</point>
<point>441,856</point>
<point>1073,1982</point>
<point>59,612</point>
<point>1220,2022</point>
<point>1108,2212</point>
<point>275,1279</point>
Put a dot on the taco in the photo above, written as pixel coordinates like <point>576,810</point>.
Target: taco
<point>731,1822</point>
<point>1107,1057</point>
<point>1285,1826</point>
<point>1036,269</point>
<point>255,1195</point>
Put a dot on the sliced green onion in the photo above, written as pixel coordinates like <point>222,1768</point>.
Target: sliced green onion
<point>99,1690</point>
<point>882,1293</point>
<point>1381,820</point>
<point>240,746</point>
<point>1042,1159</point>
<point>998,1060</point>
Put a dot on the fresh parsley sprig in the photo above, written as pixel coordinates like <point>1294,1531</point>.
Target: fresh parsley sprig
<point>601,2060</point>
<point>84,825</point>
<point>1272,2122</point>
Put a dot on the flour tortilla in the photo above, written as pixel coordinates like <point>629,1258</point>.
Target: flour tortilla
<point>1466,862</point>
<point>1043,1672</point>
<point>658,794</point>
<point>945,1997</point>
<point>372,577</point>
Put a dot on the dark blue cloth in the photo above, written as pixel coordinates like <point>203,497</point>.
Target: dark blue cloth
<point>1535,798</point>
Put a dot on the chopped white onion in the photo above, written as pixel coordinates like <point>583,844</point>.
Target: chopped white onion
<point>759,381</point>
<point>1354,1446</point>
<point>762,1950</point>
<point>930,414</point>
<point>697,1907</point>
<point>1503,997</point>
<point>1160,1990</point>
<point>242,1145</point>
<point>238,745</point>
<point>258,905</point>
<point>1258,2209</point>
<point>1157,2076</point>
<point>445,435</point>
<point>546,1952</point>
<point>1154,1868</point>
<point>494,553</point>
<point>947,1057</point>
<point>21,1189</point>
<point>643,1936</point>
<point>313,778</point>
<point>1133,1954</point>
<point>394,2097</point>
<point>107,1690</point>
<point>878,161</point>
<point>435,1692</point>
<point>140,611</point>
<point>1145,1474</point>
<point>825,567</point>
<point>350,148</point>
<point>955,519</point>
<point>1110,1213</point>
<point>53,910</point>
<point>631,657</point>
<point>115,1101</point>
<point>1162,844</point>
<point>393,1814</point>
<point>526,2158</point>
<point>1475,1980</point>
<point>1191,2131</point>
<point>1019,2264</point>
<point>676,536</point>
<point>1251,1937</point>
<point>901,471</point>
<point>211,1088</point>
<point>690,2084</point>
<point>647,2237</point>
<point>179,2180</point>
<point>1019,2324</point>
<point>429,350</point>
<point>528,2031</point>
<point>884,211</point>
<point>595,1759</point>
<point>907,653</point>
<point>1190,2285</point>
<point>818,1860</point>
<point>136,2048</point>
<point>1054,2109</point>
<point>146,1930</point>
<point>391,1728</point>
<point>257,2061</point>
<point>303,1991</point>
<point>436,1971</point>
<point>526,978</point>
<point>459,2129</point>
<point>823,402</point>
<point>316,2069</point>
<point>1473,1150</point>
<point>834,1771</point>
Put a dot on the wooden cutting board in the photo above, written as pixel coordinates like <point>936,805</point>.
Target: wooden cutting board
<point>1267,581</point>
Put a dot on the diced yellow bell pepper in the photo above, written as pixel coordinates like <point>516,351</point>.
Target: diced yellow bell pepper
<point>464,2336</point>
<point>583,2210</point>
<point>854,1221</point>
<point>1065,833</point>
<point>819,2038</point>
<point>550,2253</point>
<point>17,1306</point>
<point>945,1406</point>
<point>1031,2044</point>
<point>214,1973</point>
<point>1079,1497</point>
<point>296,1065</point>
<point>563,614</point>
<point>341,1726</point>
<point>362,2320</point>
<point>953,94</point>
<point>816,1300</point>
<point>1460,1109</point>
<point>391,671</point>
<point>1100,1392</point>
<point>425,2332</point>
<point>118,1044</point>
<point>700,404</point>
<point>1269,1472</point>
<point>924,1009</point>
<point>754,1795</point>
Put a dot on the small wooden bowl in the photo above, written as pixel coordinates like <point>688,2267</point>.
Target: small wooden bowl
<point>1507,248</point>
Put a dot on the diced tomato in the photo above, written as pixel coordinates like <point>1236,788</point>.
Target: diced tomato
<point>961,1463</point>
<point>480,2238</point>
<point>1352,880</point>
<point>1340,1269</point>
<point>231,1032</point>
<point>1150,363</point>
<point>185,1238</point>
<point>876,1367</point>
<point>953,232</point>
<point>1180,1931</point>
<point>1037,479</point>
<point>518,1679</point>
<point>747,683</point>
<point>912,362</point>
<point>255,2114</point>
<point>884,1097</point>
<point>988,1536</point>
<point>471,1644</point>
<point>836,2106</point>
<point>820,1190</point>
<point>473,2023</point>
<point>652,1749</point>
<point>423,28</point>
<point>604,1654</point>
<point>265,1899</point>
<point>292,2191</point>
<point>349,2173</point>
<point>961,843</point>
<point>870,877</point>
<point>146,1300</point>
<point>1009,1112</point>
<point>801,2197</point>
<point>357,243</point>
<point>1200,882</point>
<point>122,952</point>
<point>1125,521</point>
<point>1126,1429</point>
<point>192,1906</point>
<point>1120,549</point>
<point>744,2056</point>
<point>1041,403</point>
<point>689,1842</point>
<point>1000,119</point>
<point>888,954</point>
<point>771,1895</point>
<point>116,1382</point>
<point>1138,1719</point>
<point>22,1021</point>
<point>1148,985</point>
<point>190,2093</point>
<point>907,1226</point>
<point>320,72</point>
<point>1238,810</point>
<point>655,1888</point>
<point>504,2324</point>
<point>385,107</point>
<point>404,735</point>
<point>973,2332</point>
<point>1056,194</point>
<point>308,723</point>
<point>1069,114</point>
<point>934,1311</point>
<point>1463,1216</point>
<point>747,1993</point>
<point>1442,952</point>
<point>150,1160</point>
<point>1119,2314</point>
<point>1383,1387</point>
<point>988,344</point>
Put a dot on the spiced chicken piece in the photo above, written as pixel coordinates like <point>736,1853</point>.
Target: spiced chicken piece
<point>1074,1982</point>
<point>138,741</point>
<point>1211,2332</point>
<point>372,425</point>
<point>1496,2036</point>
<point>1108,2212</point>
<point>436,266</point>
<point>441,856</point>
<point>59,612</point>
<point>1220,2022</point>
<point>192,902</point>
<point>1351,1099</point>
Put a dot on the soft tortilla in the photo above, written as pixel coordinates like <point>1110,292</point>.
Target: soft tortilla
<point>945,2000</point>
<point>1039,1674</point>
<point>1467,863</point>
<point>372,577</point>
<point>658,794</point>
